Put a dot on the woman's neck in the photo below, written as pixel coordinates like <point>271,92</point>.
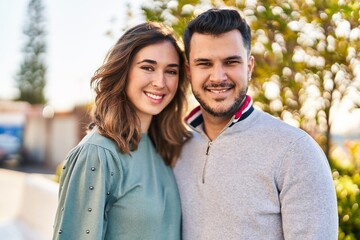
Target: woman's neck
<point>145,121</point>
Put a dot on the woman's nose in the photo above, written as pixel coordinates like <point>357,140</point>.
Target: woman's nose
<point>158,80</point>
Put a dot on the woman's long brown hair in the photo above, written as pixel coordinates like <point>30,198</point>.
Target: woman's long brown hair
<point>115,116</point>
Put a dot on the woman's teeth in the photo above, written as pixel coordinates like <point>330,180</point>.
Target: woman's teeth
<point>153,96</point>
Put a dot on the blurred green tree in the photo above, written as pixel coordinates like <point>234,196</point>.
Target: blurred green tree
<point>31,77</point>
<point>307,55</point>
<point>347,184</point>
<point>348,197</point>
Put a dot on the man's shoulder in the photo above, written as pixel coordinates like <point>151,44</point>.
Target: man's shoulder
<point>270,123</point>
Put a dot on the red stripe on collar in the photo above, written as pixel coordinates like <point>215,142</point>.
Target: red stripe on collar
<point>247,103</point>
<point>193,113</point>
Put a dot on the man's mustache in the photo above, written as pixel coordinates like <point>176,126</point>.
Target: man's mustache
<point>219,85</point>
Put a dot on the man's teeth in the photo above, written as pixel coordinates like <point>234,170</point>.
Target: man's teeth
<point>218,91</point>
<point>157,97</point>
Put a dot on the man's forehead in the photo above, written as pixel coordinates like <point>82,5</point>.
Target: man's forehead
<point>219,46</point>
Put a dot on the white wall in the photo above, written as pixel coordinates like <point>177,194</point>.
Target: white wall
<point>48,140</point>
<point>63,137</point>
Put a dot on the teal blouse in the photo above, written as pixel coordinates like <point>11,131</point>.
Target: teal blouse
<point>105,194</point>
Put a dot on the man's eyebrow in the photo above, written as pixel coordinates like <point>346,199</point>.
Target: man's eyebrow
<point>235,57</point>
<point>201,60</point>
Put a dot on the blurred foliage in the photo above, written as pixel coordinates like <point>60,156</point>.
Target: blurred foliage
<point>347,190</point>
<point>30,78</point>
<point>346,161</point>
<point>58,172</point>
<point>307,55</point>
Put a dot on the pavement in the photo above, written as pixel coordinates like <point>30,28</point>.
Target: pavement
<point>28,201</point>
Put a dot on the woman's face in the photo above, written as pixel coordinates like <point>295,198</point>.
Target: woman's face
<point>153,79</point>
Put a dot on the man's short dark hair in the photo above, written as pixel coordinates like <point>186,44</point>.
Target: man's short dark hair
<point>216,22</point>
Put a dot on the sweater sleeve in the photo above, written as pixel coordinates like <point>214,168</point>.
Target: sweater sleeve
<point>307,193</point>
<point>84,194</point>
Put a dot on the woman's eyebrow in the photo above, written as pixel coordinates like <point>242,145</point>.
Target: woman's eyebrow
<point>154,62</point>
<point>147,61</point>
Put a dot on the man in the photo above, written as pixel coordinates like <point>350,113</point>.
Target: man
<point>245,174</point>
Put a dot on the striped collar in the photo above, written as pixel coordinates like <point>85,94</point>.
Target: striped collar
<point>195,118</point>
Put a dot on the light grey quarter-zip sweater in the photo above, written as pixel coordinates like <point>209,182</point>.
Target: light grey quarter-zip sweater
<point>259,179</point>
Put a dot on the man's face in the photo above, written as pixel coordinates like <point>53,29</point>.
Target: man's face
<point>219,70</point>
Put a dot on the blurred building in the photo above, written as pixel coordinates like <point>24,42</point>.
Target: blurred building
<point>42,135</point>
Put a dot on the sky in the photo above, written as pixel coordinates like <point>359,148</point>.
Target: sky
<point>76,45</point>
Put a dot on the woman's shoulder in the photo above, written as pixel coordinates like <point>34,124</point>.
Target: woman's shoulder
<point>94,138</point>
<point>95,149</point>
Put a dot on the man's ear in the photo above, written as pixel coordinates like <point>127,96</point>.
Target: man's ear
<point>251,63</point>
<point>187,70</point>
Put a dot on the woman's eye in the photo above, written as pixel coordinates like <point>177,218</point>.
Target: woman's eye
<point>172,72</point>
<point>147,68</point>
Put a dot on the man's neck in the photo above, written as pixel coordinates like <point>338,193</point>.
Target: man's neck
<point>213,126</point>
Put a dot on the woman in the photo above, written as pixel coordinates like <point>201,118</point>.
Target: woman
<point>118,183</point>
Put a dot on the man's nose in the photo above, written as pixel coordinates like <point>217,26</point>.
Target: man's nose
<point>218,73</point>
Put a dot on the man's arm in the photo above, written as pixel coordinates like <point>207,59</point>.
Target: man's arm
<point>307,193</point>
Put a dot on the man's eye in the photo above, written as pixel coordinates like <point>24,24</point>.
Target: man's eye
<point>204,64</point>
<point>232,62</point>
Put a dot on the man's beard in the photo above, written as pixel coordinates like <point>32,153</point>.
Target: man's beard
<point>229,112</point>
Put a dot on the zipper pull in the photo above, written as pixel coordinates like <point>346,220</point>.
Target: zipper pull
<point>208,148</point>
<point>206,161</point>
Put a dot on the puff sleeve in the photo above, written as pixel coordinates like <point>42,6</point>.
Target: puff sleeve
<point>85,194</point>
